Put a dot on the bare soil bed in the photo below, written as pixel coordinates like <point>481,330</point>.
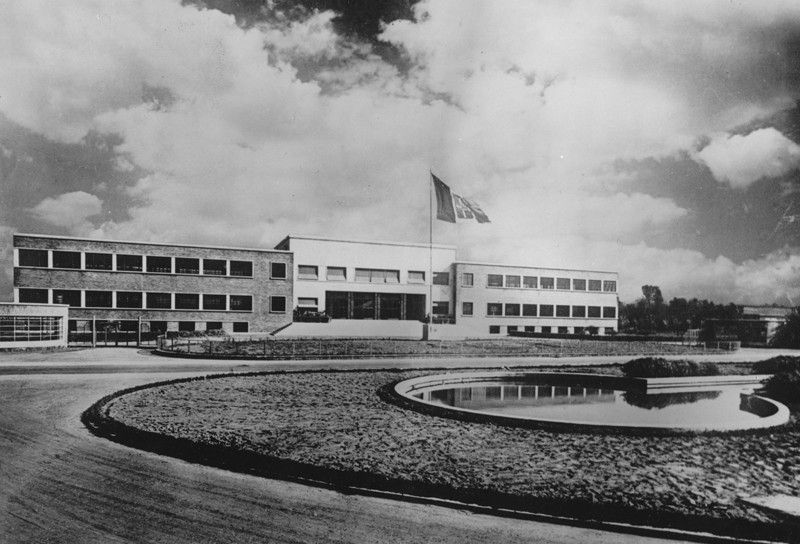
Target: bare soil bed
<point>336,425</point>
<point>305,348</point>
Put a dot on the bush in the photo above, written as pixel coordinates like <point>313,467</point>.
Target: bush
<point>781,363</point>
<point>784,386</point>
<point>658,367</point>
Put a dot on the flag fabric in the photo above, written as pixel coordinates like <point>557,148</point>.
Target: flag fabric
<point>444,201</point>
<point>450,206</point>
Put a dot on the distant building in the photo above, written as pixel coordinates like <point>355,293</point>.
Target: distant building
<point>756,327</point>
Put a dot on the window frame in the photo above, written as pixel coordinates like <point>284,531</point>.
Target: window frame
<point>272,300</point>
<point>438,278</point>
<point>328,276</point>
<point>418,276</point>
<point>248,306</point>
<point>208,297</point>
<point>128,268</point>
<point>464,282</point>
<point>62,254</point>
<point>128,305</point>
<point>527,313</point>
<point>526,283</point>
<point>246,272</point>
<point>272,274</point>
<point>87,258</point>
<point>464,311</point>
<point>489,306</point>
<point>179,296</point>
<point>547,282</point>
<point>311,272</point>
<point>490,283</point>
<point>512,309</point>
<point>29,252</point>
<point>186,269</point>
<point>562,282</point>
<point>155,294</point>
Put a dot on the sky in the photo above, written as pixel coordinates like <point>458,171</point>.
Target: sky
<point>657,139</point>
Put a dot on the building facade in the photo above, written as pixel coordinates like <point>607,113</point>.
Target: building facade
<point>165,287</point>
<point>33,325</point>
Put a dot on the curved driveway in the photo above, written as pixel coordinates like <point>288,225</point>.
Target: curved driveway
<point>58,483</point>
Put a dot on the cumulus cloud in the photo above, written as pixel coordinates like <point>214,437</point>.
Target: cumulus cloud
<point>69,211</point>
<point>743,160</point>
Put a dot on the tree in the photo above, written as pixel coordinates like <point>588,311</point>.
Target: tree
<point>787,334</point>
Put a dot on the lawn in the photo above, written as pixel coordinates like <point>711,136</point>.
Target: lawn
<point>335,425</point>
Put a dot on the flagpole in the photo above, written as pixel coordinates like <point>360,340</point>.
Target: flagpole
<point>430,249</point>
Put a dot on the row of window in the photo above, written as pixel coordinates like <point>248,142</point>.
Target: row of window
<point>79,326</point>
<point>543,310</point>
<point>29,329</point>
<point>543,282</point>
<point>40,258</point>
<point>150,301</point>
<point>495,329</point>
<point>368,275</point>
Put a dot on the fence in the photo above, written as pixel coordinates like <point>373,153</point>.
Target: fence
<point>289,349</point>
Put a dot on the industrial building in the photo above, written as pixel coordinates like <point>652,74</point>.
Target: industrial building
<point>169,287</point>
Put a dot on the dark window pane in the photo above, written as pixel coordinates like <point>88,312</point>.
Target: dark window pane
<point>241,268</point>
<point>277,270</point>
<point>579,311</point>
<point>215,267</point>
<point>129,299</point>
<point>158,326</point>
<point>512,309</point>
<point>609,311</point>
<point>563,283</point>
<point>562,311</point>
<point>547,283</point>
<point>63,296</point>
<point>214,302</point>
<point>98,299</point>
<point>494,308</point>
<point>241,302</point>
<point>563,330</point>
<point>546,310</point>
<point>494,329</point>
<point>187,301</point>
<point>467,279</point>
<point>159,301</point>
<point>441,307</point>
<point>99,261</point>
<point>593,311</point>
<point>466,308</point>
<point>33,257</point>
<point>494,280</point>
<point>530,282</point>
<point>186,326</point>
<point>159,264</point>
<point>66,259</point>
<point>214,325</point>
<point>510,329</point>
<point>441,278</point>
<point>529,310</point>
<point>579,285</point>
<point>129,263</point>
<point>512,281</point>
<point>187,266</point>
<point>34,296</point>
<point>546,330</point>
<point>241,326</point>
<point>609,286</point>
<point>594,285</point>
<point>277,304</point>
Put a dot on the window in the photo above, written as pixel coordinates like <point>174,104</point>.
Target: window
<point>441,307</point>
<point>34,296</point>
<point>377,275</point>
<point>159,301</point>
<point>610,330</point>
<point>512,328</point>
<point>213,325</point>
<point>545,310</point>
<point>29,328</point>
<point>307,304</point>
<point>530,328</point>
<point>494,308</point>
<point>512,309</point>
<point>242,303</point>
<point>563,330</point>
<point>63,296</point>
<point>609,311</point>
<point>33,257</point>
<point>215,267</point>
<point>593,311</point>
<point>98,299</point>
<point>494,329</point>
<point>336,273</point>
<point>214,302</point>
<point>162,265</point>
<point>307,272</point>
<point>563,283</point>
<point>546,330</point>
<point>547,283</point>
<point>594,285</point>
<point>530,282</point>
<point>129,263</point>
<point>242,268</point>
<point>129,299</point>
<point>579,311</point>
<point>529,310</point>
<point>578,330</point>
<point>187,301</point>
<point>99,261</point>
<point>466,308</point>
<point>441,278</point>
<point>494,280</point>
<point>562,310</point>
<point>241,326</point>
<point>186,326</point>
<point>277,271</point>
<point>415,276</point>
<point>277,305</point>
<point>579,285</point>
<point>609,286</point>
<point>512,281</point>
<point>187,266</point>
<point>467,279</point>
<point>66,259</point>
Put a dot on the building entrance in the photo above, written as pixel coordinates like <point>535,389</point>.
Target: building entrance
<point>360,305</point>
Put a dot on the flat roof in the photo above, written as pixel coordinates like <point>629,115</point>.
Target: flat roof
<point>504,265</point>
<point>373,242</point>
<point>160,244</point>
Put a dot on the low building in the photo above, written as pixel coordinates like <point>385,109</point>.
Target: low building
<point>165,287</point>
<point>756,326</point>
<point>33,325</point>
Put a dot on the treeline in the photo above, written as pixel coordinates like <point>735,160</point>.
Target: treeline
<point>651,315</point>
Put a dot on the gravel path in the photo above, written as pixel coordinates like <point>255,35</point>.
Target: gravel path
<point>336,420</point>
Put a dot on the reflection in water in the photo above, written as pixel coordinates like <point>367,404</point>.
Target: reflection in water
<point>641,399</point>
<point>702,409</point>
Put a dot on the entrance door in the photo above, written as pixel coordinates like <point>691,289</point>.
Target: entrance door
<point>390,305</point>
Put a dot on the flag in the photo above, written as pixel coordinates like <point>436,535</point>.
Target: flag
<point>444,201</point>
<point>450,206</point>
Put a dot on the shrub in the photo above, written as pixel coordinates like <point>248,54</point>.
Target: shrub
<point>658,367</point>
<point>785,386</point>
<point>781,363</point>
<point>787,334</point>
